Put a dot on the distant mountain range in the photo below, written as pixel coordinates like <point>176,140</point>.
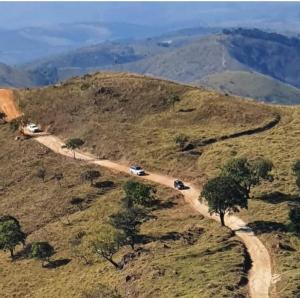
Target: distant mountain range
<point>19,46</point>
<point>13,77</point>
<point>246,62</point>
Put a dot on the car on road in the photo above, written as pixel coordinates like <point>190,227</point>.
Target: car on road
<point>33,128</point>
<point>136,170</point>
<point>179,184</point>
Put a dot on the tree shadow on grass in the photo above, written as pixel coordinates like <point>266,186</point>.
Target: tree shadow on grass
<point>262,227</point>
<point>57,263</point>
<point>278,197</point>
<point>144,239</point>
<point>106,185</point>
<point>158,205</point>
<point>24,253</point>
<point>170,236</point>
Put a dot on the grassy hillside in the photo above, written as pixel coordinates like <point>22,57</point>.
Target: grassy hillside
<point>145,123</point>
<point>252,84</point>
<point>183,254</point>
<point>268,211</point>
<point>132,119</point>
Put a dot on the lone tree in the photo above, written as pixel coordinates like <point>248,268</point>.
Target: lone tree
<point>294,216</point>
<point>41,173</point>
<point>129,221</point>
<point>11,234</point>
<point>138,193</point>
<point>108,244</point>
<point>74,144</point>
<point>224,195</point>
<point>90,175</point>
<point>42,251</point>
<point>248,174</point>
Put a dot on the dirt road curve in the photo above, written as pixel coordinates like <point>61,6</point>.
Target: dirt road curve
<point>260,274</point>
<point>7,104</point>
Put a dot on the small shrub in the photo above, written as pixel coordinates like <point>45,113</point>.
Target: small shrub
<point>42,251</point>
<point>294,216</point>
<point>181,140</point>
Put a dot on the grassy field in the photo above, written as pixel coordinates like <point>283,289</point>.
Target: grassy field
<point>185,255</point>
<point>131,119</point>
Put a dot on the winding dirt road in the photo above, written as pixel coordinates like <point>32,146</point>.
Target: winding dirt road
<point>261,272</point>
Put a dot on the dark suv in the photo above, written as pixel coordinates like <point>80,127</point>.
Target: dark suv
<point>179,184</point>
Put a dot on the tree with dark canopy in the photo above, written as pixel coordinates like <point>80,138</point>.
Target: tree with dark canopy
<point>74,144</point>
<point>129,221</point>
<point>224,195</point>
<point>248,173</point>
<point>11,234</point>
<point>108,244</point>
<point>42,251</point>
<point>138,193</point>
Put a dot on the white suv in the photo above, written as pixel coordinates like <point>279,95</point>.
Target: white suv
<point>136,170</point>
<point>33,128</point>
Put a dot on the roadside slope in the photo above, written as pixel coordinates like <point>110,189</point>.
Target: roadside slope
<point>261,271</point>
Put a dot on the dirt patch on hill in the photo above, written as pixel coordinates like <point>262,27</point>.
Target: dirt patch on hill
<point>7,104</point>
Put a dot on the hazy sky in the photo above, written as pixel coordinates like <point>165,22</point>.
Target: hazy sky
<point>20,14</point>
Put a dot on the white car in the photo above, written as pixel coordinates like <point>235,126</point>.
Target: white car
<point>136,170</point>
<point>33,128</point>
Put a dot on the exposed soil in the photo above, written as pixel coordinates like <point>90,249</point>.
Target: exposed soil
<point>7,104</point>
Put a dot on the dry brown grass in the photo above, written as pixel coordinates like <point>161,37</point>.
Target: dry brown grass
<point>212,266</point>
<point>139,125</point>
<point>133,120</point>
<point>273,200</point>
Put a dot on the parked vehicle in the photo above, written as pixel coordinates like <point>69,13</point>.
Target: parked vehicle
<point>136,170</point>
<point>33,128</point>
<point>179,184</point>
